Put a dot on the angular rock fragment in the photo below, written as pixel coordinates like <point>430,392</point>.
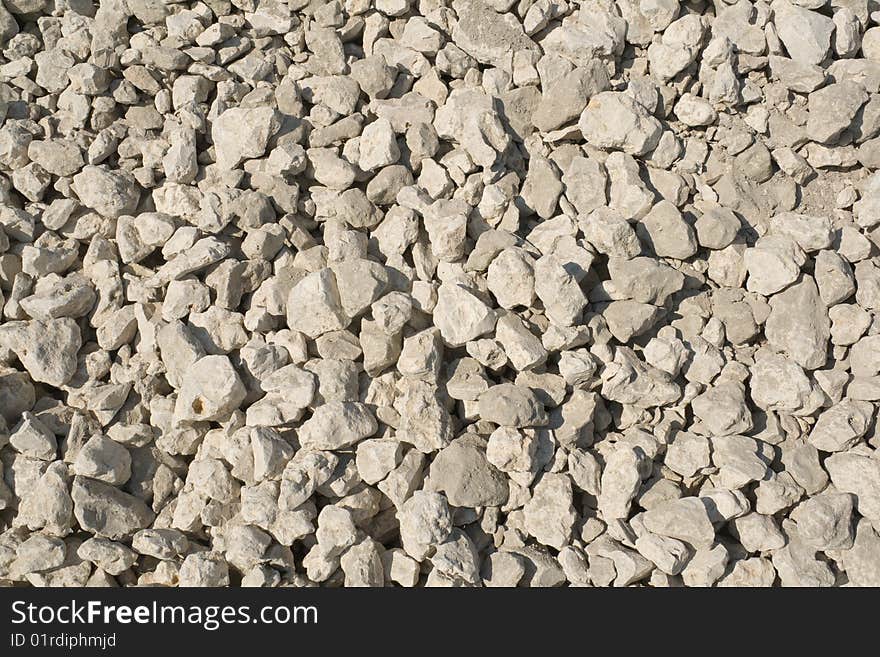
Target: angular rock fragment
<point>210,390</point>
<point>460,315</point>
<point>107,511</point>
<point>336,425</point>
<point>314,305</point>
<point>686,519</point>
<point>798,324</point>
<point>47,350</point>
<point>614,120</point>
<point>456,294</point>
<point>462,472</point>
<point>549,515</point>
<point>510,405</point>
<point>242,132</point>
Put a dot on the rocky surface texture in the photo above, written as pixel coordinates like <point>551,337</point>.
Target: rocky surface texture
<point>439,293</point>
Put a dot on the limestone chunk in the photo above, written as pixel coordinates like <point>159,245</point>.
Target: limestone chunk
<point>695,111</point>
<point>46,349</point>
<point>48,505</point>
<point>488,37</point>
<point>378,146</point>
<point>685,519</point>
<point>751,572</point>
<point>738,459</point>
<point>857,473</point>
<point>825,522</point>
<point>240,133</point>
<point>523,348</point>
<point>723,409</point>
<point>810,232</point>
<point>565,99</point>
<point>832,109</point>
<point>509,405</point>
<point>621,479</point>
<point>377,457</point>
<point>627,319</point>
<point>108,192</point>
<point>202,569</point>
<point>549,515</point>
<point>629,380</point>
<point>103,459</point>
<point>780,384</point>
<point>861,563</point>
<point>610,233</point>
<point>773,264</point>
<point>359,282</point>
<point>113,558</point>
<point>558,290</point>
<point>758,533</point>
<point>460,315</point>
<point>424,421</point>
<point>425,522</point>
<point>842,426</point>
<point>456,558</point>
<point>511,450</point>
<point>362,565</point>
<point>834,278</point>
<point>314,305</point>
<point>668,554</point>
<point>542,187</point>
<point>107,511</point>
<point>706,566</point>
<point>210,390</point>
<point>511,278</point>
<point>688,454</point>
<point>644,279</point>
<point>336,425</point>
<point>614,120</point>
<point>717,227</point>
<point>806,34</point>
<point>32,438</point>
<point>798,324</point>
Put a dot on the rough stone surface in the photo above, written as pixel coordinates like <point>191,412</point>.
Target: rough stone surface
<point>439,293</point>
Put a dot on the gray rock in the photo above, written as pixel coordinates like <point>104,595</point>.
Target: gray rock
<point>798,324</point>
<point>107,511</point>
<point>510,405</point>
<point>686,519</point>
<point>464,474</point>
<point>614,120</point>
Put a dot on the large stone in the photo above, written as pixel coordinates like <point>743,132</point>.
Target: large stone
<point>463,473</point>
<point>798,324</point>
<point>614,120</point>
<point>240,133</point>
<point>107,511</point>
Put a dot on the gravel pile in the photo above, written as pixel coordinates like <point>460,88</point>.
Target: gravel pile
<point>439,293</point>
